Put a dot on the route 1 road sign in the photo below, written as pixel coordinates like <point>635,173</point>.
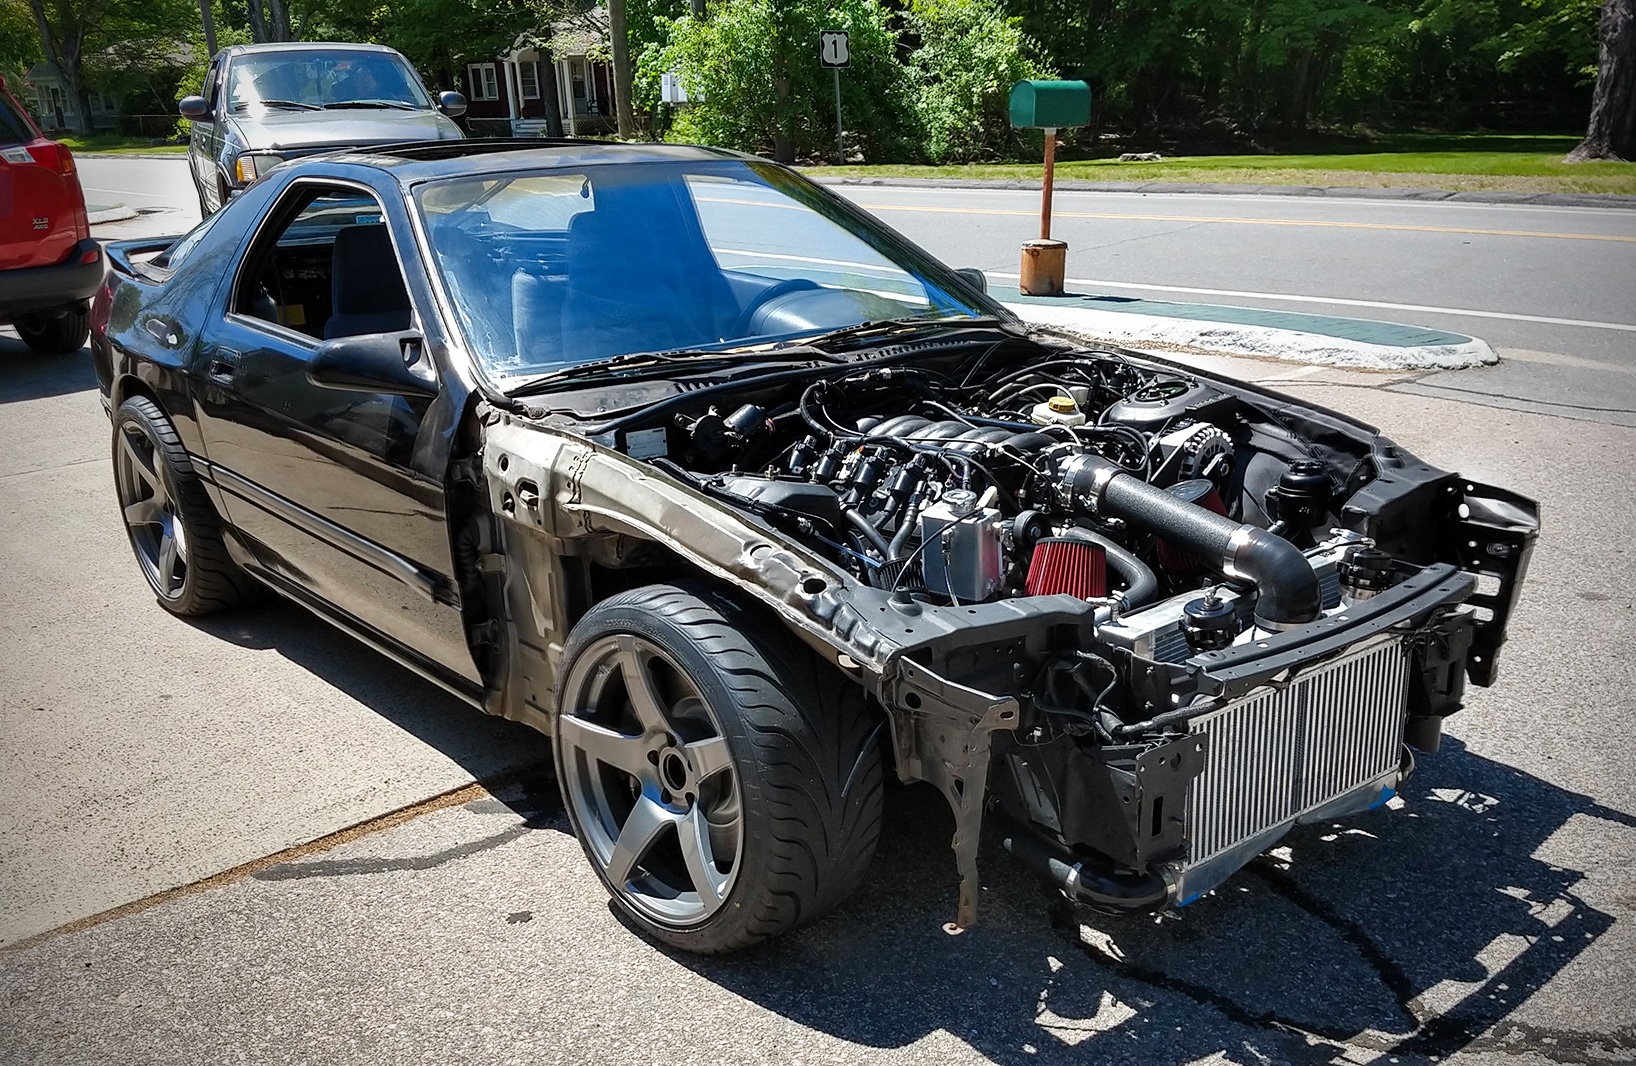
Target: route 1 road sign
<point>834,48</point>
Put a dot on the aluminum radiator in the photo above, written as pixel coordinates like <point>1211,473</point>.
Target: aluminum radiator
<point>1277,755</point>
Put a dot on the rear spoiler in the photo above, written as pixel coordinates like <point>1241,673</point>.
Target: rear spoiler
<point>120,252</point>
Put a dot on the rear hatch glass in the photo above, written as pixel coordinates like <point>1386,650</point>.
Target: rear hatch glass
<point>14,128</point>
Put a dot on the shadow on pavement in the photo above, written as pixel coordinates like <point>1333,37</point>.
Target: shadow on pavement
<point>1413,933</point>
<point>26,375</point>
<point>485,746</point>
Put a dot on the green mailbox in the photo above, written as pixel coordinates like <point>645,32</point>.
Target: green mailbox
<point>1050,104</point>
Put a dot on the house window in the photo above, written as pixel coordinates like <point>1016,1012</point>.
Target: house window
<point>485,85</point>
<point>528,75</point>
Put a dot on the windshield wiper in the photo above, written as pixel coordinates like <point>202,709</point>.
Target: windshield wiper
<point>395,105</point>
<point>637,363</point>
<point>297,104</point>
<point>886,327</point>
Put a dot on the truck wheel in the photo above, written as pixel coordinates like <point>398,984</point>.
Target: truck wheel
<point>724,783</point>
<point>56,336</point>
<point>172,526</point>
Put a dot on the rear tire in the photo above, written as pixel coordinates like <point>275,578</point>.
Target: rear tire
<point>692,733</point>
<point>172,526</point>
<point>56,336</point>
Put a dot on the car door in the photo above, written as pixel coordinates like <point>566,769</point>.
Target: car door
<point>203,137</point>
<point>339,493</point>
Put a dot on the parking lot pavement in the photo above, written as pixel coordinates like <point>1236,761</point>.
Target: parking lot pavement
<point>138,751</point>
<point>1489,919</point>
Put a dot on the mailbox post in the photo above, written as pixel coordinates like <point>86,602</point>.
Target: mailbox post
<point>1050,106</point>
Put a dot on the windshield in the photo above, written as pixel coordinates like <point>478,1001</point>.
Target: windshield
<point>551,268</point>
<point>323,78</point>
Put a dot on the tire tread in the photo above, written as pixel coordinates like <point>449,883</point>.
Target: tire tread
<point>812,731</point>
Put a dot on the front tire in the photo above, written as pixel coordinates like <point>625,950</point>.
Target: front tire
<point>172,526</point>
<point>50,335</point>
<point>725,784</point>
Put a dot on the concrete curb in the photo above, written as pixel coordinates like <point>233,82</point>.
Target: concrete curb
<point>130,155</point>
<point>98,214</point>
<point>1349,192</point>
<point>1133,330</point>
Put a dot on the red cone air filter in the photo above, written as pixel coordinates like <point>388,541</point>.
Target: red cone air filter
<point>1063,564</point>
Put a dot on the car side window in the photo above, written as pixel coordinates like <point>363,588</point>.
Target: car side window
<point>330,270</point>
<point>212,84</point>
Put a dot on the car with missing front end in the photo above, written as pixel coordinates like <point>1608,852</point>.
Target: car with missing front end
<point>747,503</point>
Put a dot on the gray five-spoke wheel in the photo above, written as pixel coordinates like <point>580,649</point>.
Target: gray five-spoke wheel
<point>156,530</point>
<point>651,779</point>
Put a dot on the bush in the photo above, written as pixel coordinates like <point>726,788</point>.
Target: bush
<point>756,64</point>
<point>970,55</point>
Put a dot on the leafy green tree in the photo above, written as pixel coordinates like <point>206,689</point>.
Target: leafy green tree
<point>970,54</point>
<point>76,34</point>
<point>756,64</point>
<point>19,42</point>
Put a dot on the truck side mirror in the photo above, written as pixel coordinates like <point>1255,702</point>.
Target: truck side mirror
<point>451,103</point>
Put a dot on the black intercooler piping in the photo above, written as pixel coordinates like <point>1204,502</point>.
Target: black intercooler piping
<point>1288,593</point>
<point>1140,583</point>
<point>1122,891</point>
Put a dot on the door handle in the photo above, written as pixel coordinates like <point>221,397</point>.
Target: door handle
<point>222,366</point>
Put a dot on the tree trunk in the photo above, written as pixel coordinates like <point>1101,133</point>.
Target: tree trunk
<point>1613,101</point>
<point>63,53</point>
<point>208,17</point>
<point>550,96</point>
<point>622,79</point>
<point>258,21</point>
<point>278,21</point>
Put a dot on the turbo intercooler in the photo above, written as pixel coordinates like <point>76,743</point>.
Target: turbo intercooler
<point>1285,753</point>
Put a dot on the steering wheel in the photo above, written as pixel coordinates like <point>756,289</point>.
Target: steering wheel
<point>742,326</point>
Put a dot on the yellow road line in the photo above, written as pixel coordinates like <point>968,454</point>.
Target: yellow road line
<point>1123,217</point>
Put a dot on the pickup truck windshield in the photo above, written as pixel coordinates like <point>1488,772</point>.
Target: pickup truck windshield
<point>320,78</point>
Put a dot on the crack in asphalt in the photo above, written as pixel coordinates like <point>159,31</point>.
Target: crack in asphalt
<point>1433,1037</point>
<point>296,871</point>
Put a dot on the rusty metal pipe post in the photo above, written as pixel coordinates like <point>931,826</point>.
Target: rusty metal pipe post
<point>1045,261</point>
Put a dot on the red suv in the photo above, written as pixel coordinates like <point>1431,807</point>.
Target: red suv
<point>49,265</point>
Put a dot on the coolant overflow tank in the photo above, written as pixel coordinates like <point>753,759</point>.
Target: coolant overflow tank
<point>963,555</point>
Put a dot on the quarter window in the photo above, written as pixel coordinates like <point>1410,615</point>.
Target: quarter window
<point>330,271</point>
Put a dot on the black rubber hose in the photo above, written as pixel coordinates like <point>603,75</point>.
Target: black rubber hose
<point>1287,587</point>
<point>1124,891</point>
<point>1140,583</point>
<point>870,533</point>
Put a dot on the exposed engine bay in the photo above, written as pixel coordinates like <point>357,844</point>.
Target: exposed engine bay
<point>1271,601</point>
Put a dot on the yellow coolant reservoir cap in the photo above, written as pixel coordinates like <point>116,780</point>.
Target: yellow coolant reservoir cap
<point>1062,405</point>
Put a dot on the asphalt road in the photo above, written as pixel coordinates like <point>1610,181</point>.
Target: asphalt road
<point>1491,918</point>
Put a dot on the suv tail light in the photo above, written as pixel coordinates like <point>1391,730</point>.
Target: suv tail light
<point>53,156</point>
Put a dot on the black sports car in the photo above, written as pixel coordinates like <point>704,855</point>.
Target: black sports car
<point>746,501</point>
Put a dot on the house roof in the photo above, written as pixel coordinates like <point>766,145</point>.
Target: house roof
<point>42,73</point>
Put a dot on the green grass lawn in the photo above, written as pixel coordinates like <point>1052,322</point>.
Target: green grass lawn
<point>114,142</point>
<point>1428,161</point>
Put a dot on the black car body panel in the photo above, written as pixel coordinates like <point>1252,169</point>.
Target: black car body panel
<point>464,529</point>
